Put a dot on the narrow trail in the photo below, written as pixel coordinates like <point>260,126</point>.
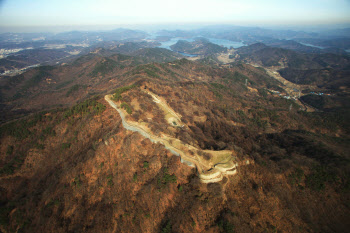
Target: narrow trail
<point>209,172</point>
<point>153,138</point>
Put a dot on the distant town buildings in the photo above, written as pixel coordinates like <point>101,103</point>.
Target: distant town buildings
<point>5,52</point>
<point>295,97</point>
<point>18,71</point>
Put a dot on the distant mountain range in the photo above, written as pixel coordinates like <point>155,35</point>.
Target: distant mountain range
<point>52,48</point>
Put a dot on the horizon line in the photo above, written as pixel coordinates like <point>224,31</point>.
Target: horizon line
<point>173,25</point>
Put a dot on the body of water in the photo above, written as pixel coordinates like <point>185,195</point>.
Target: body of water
<point>226,43</point>
<point>188,55</point>
<point>221,42</point>
<point>172,41</point>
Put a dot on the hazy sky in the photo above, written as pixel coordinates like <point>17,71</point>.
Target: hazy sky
<point>113,12</point>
